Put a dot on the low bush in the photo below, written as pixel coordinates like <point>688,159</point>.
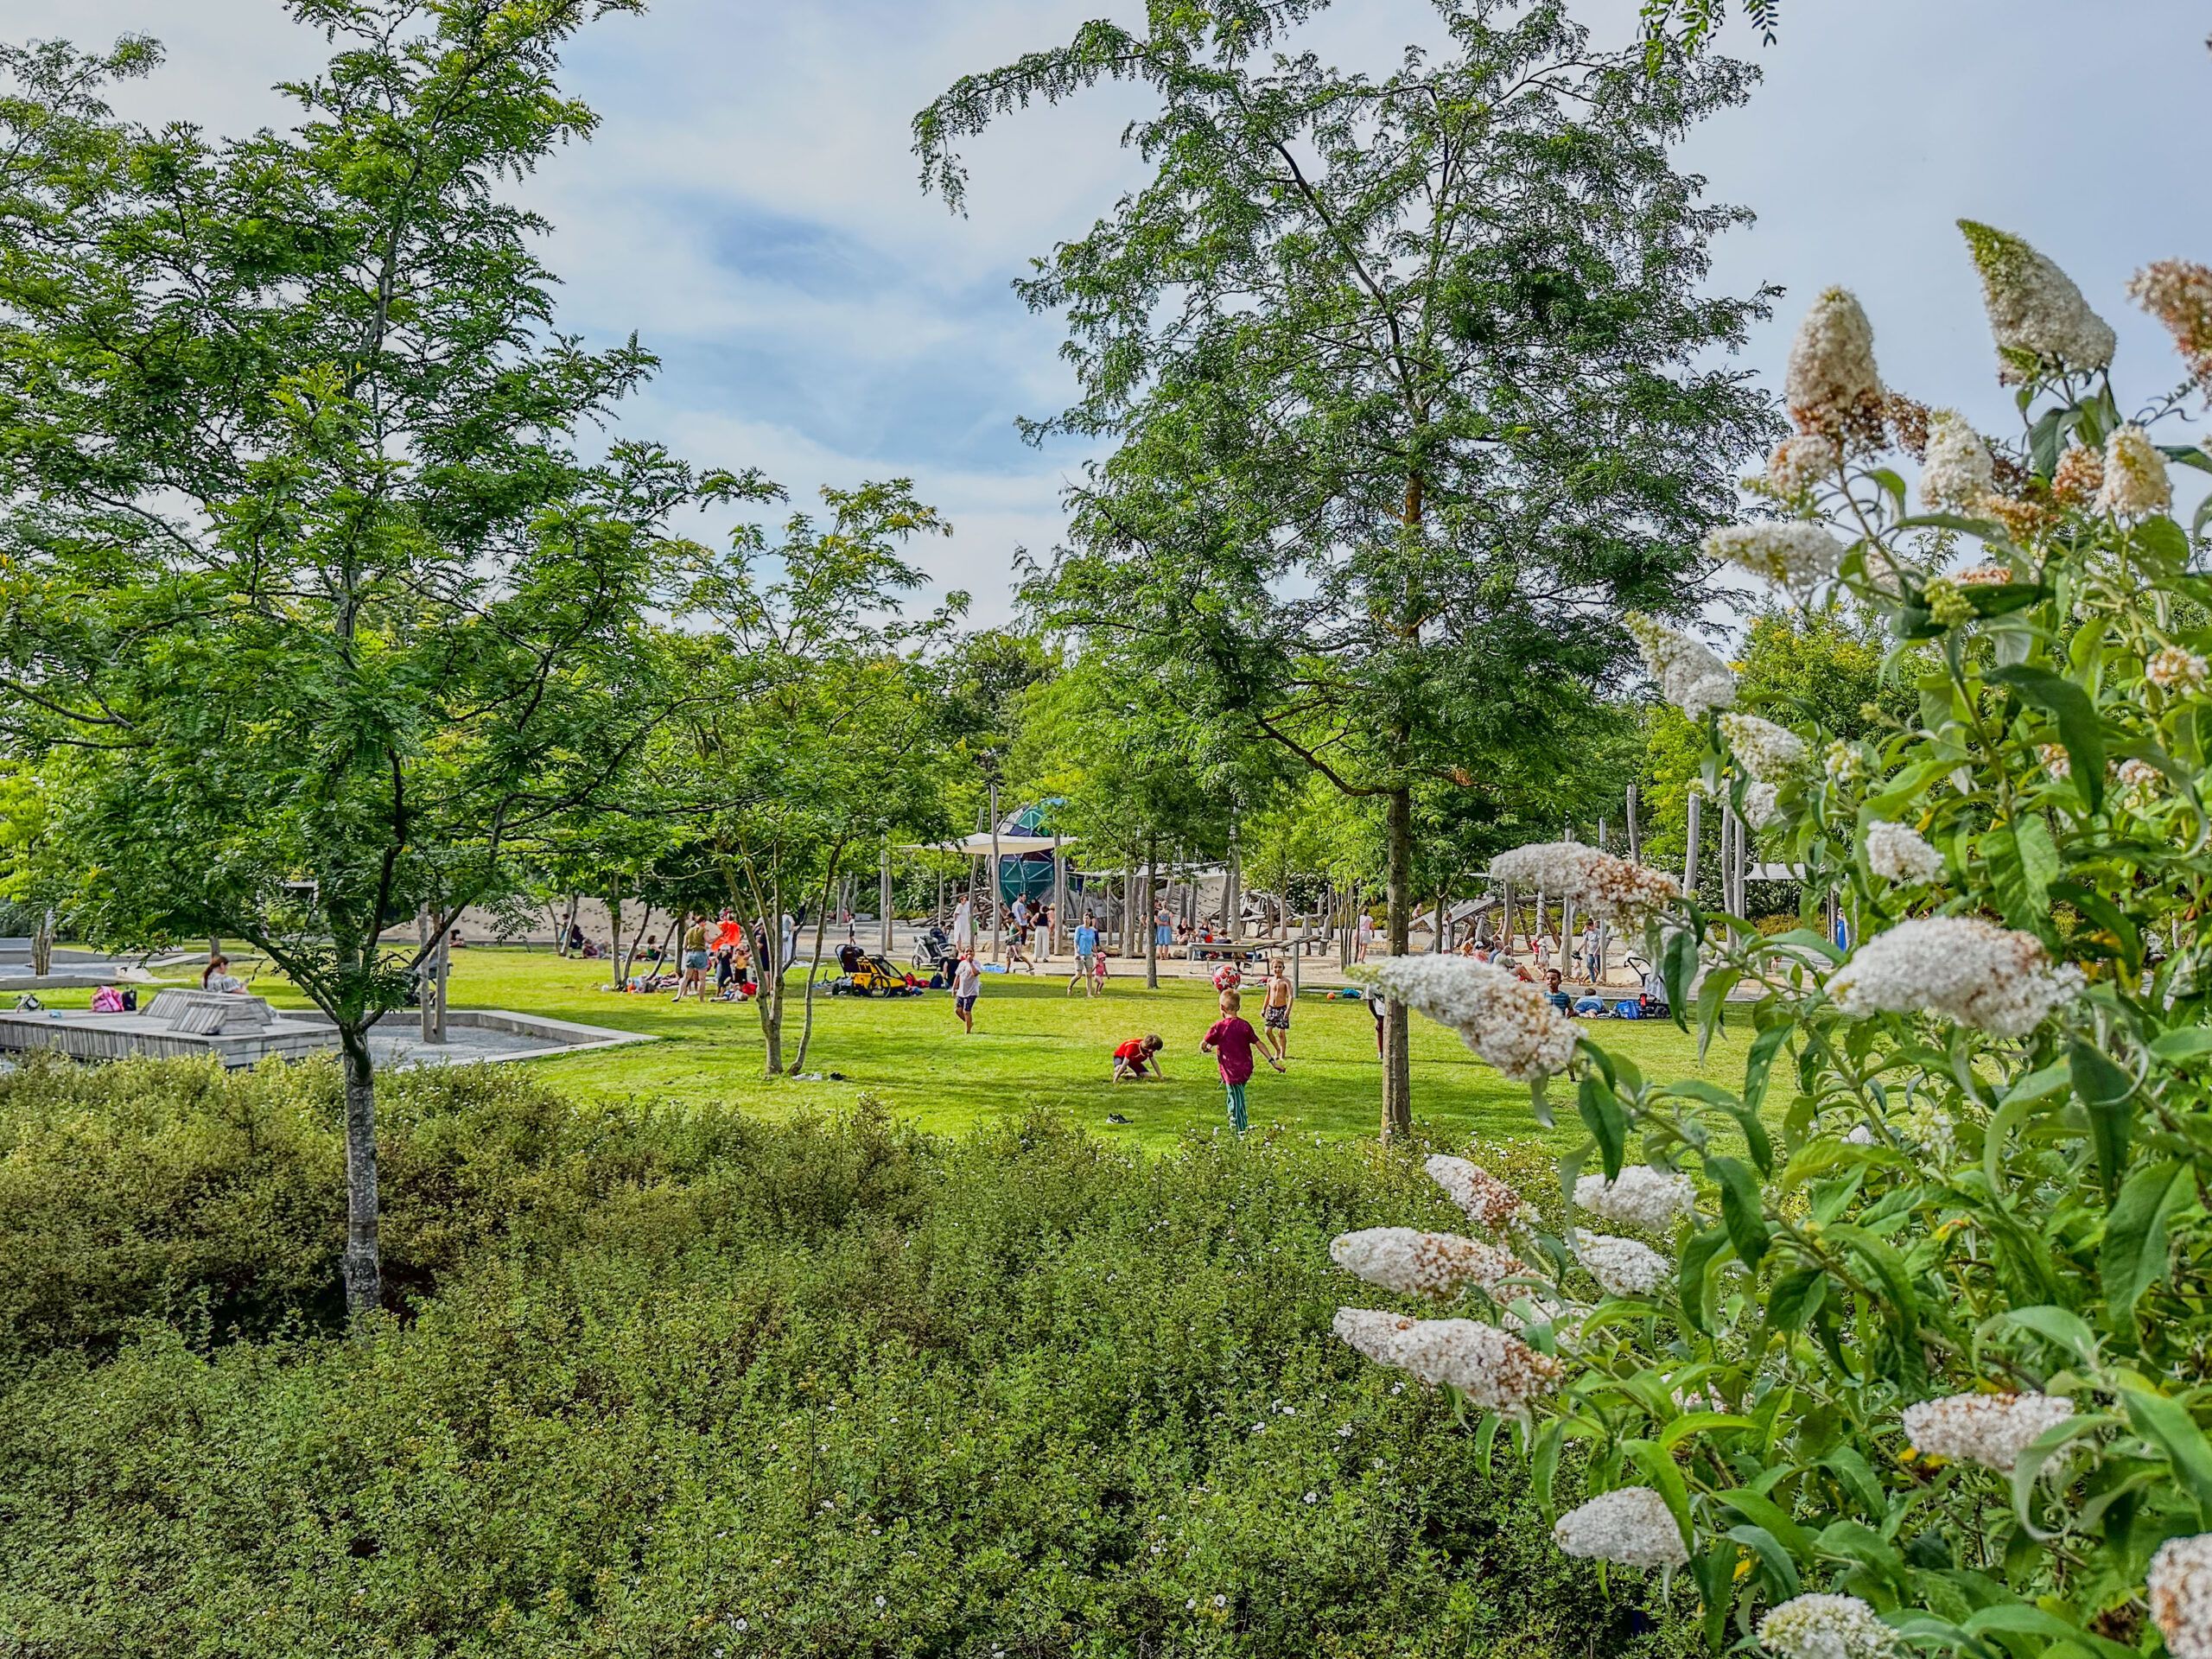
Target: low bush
<point>666,1383</point>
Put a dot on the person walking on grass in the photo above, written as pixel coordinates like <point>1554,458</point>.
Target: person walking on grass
<point>1365,941</point>
<point>967,986</point>
<point>1274,1012</point>
<point>1232,1042</point>
<point>1086,947</point>
<point>695,960</point>
<point>1132,1058</point>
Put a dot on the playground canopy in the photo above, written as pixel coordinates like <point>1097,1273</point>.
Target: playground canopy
<point>981,845</point>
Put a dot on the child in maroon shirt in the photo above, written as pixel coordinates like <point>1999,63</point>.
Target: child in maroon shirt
<point>1233,1042</point>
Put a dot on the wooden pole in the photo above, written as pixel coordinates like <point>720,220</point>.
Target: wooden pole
<point>883,901</point>
<point>1689,856</point>
<point>1635,838</point>
<point>998,912</point>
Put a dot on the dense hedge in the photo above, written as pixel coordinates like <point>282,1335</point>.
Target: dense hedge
<point>689,1384</point>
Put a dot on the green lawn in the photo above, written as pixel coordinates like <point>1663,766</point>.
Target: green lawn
<point>1033,1046</point>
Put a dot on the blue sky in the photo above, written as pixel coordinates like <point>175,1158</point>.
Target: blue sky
<point>750,208</point>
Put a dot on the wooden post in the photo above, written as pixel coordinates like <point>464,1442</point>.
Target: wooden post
<point>1059,899</point>
<point>426,975</point>
<point>1689,856</point>
<point>1635,838</point>
<point>883,900</point>
<point>445,980</point>
<point>998,910</point>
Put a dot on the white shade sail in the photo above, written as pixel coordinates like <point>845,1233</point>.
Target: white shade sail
<point>980,844</point>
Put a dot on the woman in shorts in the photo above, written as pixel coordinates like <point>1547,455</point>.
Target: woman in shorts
<point>697,961</point>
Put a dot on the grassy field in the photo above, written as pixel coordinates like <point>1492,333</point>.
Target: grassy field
<point>1033,1046</point>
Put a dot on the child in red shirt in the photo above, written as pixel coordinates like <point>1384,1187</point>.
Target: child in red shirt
<point>1233,1042</point>
<point>1132,1057</point>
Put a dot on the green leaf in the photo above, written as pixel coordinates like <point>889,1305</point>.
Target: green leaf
<point>2185,1044</point>
<point>2078,730</point>
<point>1794,1298</point>
<point>1760,1062</point>
<point>1677,971</point>
<point>2165,1423</point>
<point>1742,1208</point>
<point>1780,1569</point>
<point>1693,1276</point>
<point>2134,1253</point>
<point>1699,1422</point>
<point>2067,1329</point>
<point>2023,1618</point>
<point>1601,1113</point>
<point>2106,1091</point>
<point>1764,1511</point>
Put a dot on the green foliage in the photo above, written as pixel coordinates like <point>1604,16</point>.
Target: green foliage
<point>711,1384</point>
<point>1934,1331</point>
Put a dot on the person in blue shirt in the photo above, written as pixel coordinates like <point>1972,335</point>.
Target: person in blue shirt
<point>1556,993</point>
<point>1086,948</point>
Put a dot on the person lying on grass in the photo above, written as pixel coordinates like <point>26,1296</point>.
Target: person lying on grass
<point>1131,1058</point>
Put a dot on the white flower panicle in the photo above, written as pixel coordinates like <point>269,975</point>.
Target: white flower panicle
<point>2173,669</point>
<point>1898,852</point>
<point>1825,1627</point>
<point>1762,806</point>
<point>1843,763</point>
<point>1960,967</point>
<point>2078,476</point>
<point>1621,1265</point>
<point>2181,1595</point>
<point>1802,463</point>
<point>1489,1203</point>
<point>2178,292</point>
<point>2037,314</point>
<point>2140,776</point>
<point>1958,471</point>
<point>1499,1015</point>
<point>1415,1263</point>
<point>1639,1196</point>
<point>1767,752</point>
<point>2135,483</point>
<point>1690,677</point>
<point>1608,888</point>
<point>1794,553</point>
<point>1492,1367</point>
<point>1630,1526</point>
<point>1989,1429</point>
<point>1860,1135</point>
<point>2055,760</point>
<point>1832,386</point>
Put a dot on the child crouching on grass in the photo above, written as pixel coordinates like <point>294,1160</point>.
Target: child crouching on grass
<point>1132,1058</point>
<point>1232,1042</point>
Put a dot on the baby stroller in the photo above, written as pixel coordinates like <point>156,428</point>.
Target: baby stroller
<point>1651,1000</point>
<point>933,953</point>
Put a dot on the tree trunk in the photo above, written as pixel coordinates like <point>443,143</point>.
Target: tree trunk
<point>614,921</point>
<point>622,966</point>
<point>771,986</point>
<point>567,926</point>
<point>42,945</point>
<point>363,1264</point>
<point>806,1025</point>
<point>1397,1049</point>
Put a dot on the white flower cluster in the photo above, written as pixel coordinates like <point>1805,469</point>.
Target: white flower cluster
<point>1768,752</point>
<point>2135,483</point>
<point>2181,1595</point>
<point>1843,763</point>
<point>2173,669</point>
<point>1958,471</point>
<point>1630,1526</point>
<point>1960,967</point>
<point>1621,1265</point>
<point>1639,1196</point>
<point>1762,806</point>
<point>1489,1203</point>
<point>1860,1135</point>
<point>2037,314</point>
<point>2078,476</point>
<point>1415,1263</point>
<point>1794,553</point>
<point>1690,677</point>
<point>1989,575</point>
<point>2178,292</point>
<point>1500,1016</point>
<point>1989,1429</point>
<point>1831,384</point>
<point>1609,888</point>
<point>1492,1368</point>
<point>2140,778</point>
<point>1800,464</point>
<point>1825,1627</point>
<point>1898,852</point>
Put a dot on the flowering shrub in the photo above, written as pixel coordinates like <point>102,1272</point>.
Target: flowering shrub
<point>1903,1343</point>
